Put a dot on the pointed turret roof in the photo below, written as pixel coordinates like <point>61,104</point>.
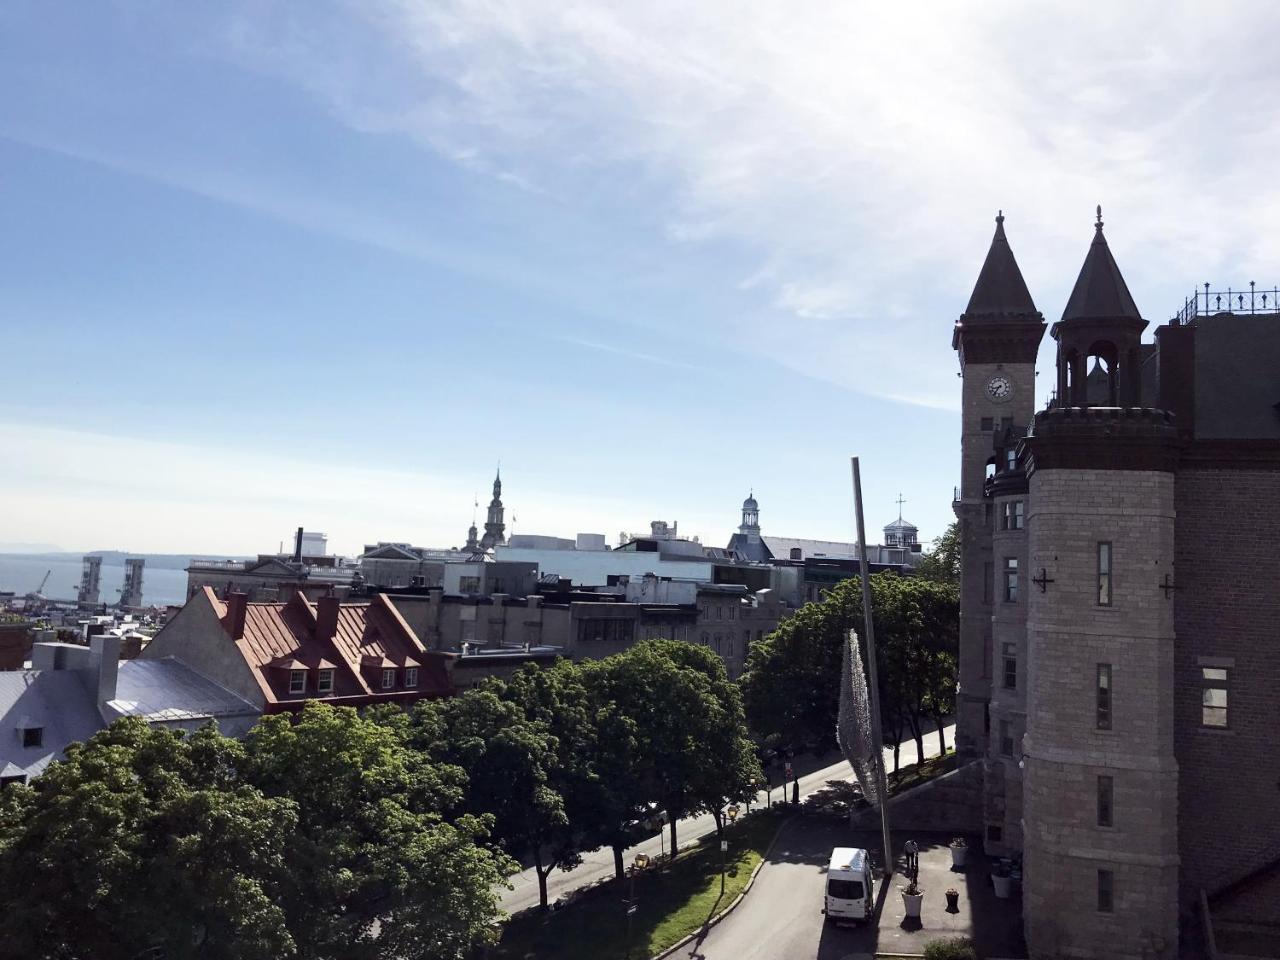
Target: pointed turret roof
<point>1100,292</point>
<point>1000,290</point>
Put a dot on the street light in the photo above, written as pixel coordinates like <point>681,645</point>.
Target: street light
<point>732,814</point>
<point>639,863</point>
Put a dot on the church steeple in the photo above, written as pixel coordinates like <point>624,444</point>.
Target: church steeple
<point>494,527</point>
<point>1000,290</point>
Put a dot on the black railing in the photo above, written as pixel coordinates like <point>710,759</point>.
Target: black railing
<point>1206,302</point>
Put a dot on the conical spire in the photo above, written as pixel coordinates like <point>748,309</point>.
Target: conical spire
<point>1100,292</point>
<point>1000,291</point>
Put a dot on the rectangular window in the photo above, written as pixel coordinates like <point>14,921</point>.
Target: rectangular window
<point>988,581</point>
<point>1006,740</point>
<point>1011,458</point>
<point>1010,666</point>
<point>1213,697</point>
<point>988,424</point>
<point>297,681</point>
<point>1104,697</point>
<point>1011,518</point>
<point>719,613</point>
<point>1106,891</point>
<point>1104,574</point>
<point>388,678</point>
<point>995,832</point>
<point>32,736</point>
<point>1105,787</point>
<point>324,683</point>
<point>728,645</point>
<point>1006,423</point>
<point>1010,579</point>
<point>732,611</point>
<point>410,676</point>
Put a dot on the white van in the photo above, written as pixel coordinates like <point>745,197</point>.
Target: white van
<point>848,895</point>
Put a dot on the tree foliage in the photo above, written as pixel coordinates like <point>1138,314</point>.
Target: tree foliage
<point>942,563</point>
<point>791,680</point>
<point>142,839</point>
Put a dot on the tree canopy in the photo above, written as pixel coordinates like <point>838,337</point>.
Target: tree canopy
<point>791,682</point>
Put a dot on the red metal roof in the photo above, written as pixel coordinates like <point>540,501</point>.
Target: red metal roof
<point>365,639</point>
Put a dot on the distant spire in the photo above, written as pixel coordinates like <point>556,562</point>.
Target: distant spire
<point>1099,227</point>
<point>900,502</point>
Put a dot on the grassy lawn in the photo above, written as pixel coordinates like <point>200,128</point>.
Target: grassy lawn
<point>674,899</point>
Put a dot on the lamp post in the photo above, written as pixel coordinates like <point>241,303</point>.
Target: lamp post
<point>641,861</point>
<point>732,814</point>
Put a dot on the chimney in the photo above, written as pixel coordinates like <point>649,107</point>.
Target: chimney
<point>326,617</point>
<point>237,607</point>
<point>297,547</point>
<point>104,660</point>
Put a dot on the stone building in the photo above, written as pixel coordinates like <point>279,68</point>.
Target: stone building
<point>1119,647</point>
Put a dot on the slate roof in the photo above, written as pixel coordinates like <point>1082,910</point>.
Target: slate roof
<point>1100,292</point>
<point>1000,291</point>
<point>55,700</point>
<point>166,689</point>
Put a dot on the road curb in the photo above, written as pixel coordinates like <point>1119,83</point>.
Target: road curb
<point>751,882</point>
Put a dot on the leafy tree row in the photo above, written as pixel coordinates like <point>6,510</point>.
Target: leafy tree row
<point>585,755</point>
<point>791,681</point>
<point>340,835</point>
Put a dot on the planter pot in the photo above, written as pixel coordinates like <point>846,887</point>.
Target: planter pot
<point>911,903</point>
<point>959,855</point>
<point>1004,886</point>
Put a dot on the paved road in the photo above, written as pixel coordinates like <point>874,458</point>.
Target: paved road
<point>599,865</point>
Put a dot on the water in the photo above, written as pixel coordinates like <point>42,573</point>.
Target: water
<point>22,573</point>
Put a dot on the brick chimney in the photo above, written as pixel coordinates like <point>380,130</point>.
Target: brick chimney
<point>326,617</point>
<point>237,607</point>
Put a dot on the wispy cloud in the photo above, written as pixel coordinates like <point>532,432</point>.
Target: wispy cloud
<point>851,154</point>
<point>627,352</point>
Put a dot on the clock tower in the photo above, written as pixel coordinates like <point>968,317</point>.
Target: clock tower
<point>996,338</point>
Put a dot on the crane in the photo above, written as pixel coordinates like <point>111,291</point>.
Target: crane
<point>38,592</point>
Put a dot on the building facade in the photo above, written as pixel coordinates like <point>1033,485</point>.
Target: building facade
<point>1118,669</point>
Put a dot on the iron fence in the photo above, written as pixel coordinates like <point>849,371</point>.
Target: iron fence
<point>1206,302</point>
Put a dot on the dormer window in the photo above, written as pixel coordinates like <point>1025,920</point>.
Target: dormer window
<point>32,736</point>
<point>324,681</point>
<point>410,676</point>
<point>388,678</point>
<point>297,681</point>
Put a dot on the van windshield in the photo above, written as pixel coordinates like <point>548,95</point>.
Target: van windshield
<point>844,889</point>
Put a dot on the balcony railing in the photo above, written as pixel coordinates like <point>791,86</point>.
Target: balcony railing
<point>1206,302</point>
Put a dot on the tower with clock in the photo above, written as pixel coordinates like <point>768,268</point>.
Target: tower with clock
<point>996,338</point>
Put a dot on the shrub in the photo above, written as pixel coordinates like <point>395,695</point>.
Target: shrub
<point>952,948</point>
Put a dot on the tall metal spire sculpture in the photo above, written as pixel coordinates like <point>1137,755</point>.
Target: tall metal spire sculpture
<point>853,723</point>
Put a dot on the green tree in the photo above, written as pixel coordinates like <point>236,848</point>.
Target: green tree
<point>942,563</point>
<point>373,870</point>
<point>790,685</point>
<point>512,765</point>
<point>142,840</point>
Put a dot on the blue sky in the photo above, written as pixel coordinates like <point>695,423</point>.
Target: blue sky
<point>266,264</point>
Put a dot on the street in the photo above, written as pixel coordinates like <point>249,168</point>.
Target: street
<point>598,865</point>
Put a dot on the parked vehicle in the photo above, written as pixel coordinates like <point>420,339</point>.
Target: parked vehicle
<point>849,886</point>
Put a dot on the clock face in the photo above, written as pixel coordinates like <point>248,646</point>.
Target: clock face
<point>999,388</point>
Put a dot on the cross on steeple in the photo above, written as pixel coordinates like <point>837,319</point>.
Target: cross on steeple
<point>900,501</point>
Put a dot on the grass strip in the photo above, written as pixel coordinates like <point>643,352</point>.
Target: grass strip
<point>673,900</point>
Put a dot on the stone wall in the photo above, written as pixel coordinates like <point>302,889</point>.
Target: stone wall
<point>1069,633</point>
<point>951,804</point>
<point>1227,607</point>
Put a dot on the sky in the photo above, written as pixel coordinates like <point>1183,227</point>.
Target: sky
<point>265,265</point>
